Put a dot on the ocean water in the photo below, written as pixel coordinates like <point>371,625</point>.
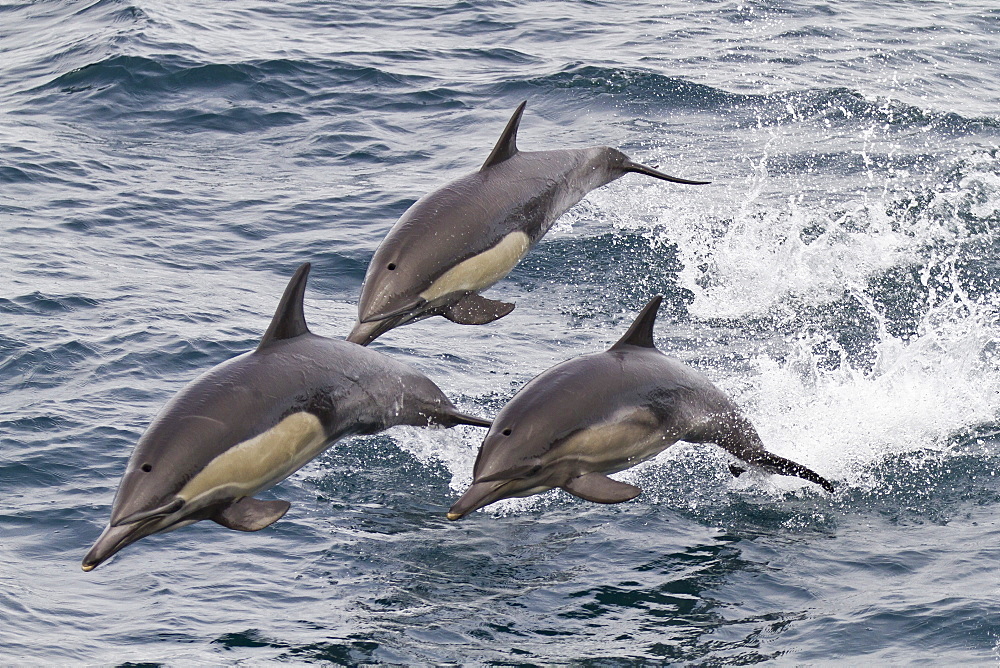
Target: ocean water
<point>164,167</point>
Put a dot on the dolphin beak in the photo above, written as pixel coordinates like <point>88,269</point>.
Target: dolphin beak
<point>113,539</point>
<point>366,332</point>
<point>478,495</point>
<point>161,511</point>
<point>415,305</point>
<point>369,328</point>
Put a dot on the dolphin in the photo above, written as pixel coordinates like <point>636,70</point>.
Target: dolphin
<point>462,238</point>
<point>250,422</point>
<point>606,412</point>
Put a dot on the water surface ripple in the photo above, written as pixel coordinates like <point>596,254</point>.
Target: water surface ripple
<point>165,166</point>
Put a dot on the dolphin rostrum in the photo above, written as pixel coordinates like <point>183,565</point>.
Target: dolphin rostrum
<point>467,235</point>
<point>604,413</point>
<point>250,422</point>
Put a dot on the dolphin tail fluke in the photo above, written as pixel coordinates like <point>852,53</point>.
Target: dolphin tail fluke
<point>453,417</point>
<point>774,464</point>
<point>599,488</point>
<point>630,166</point>
<point>732,432</point>
<point>249,514</point>
<point>477,310</point>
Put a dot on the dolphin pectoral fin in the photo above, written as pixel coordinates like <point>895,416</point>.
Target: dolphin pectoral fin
<point>774,464</point>
<point>477,310</point>
<point>630,166</point>
<point>249,514</point>
<point>737,471</point>
<point>599,488</point>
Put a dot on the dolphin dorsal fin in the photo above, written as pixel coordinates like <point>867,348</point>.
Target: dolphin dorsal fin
<point>289,320</point>
<point>507,145</point>
<point>641,332</point>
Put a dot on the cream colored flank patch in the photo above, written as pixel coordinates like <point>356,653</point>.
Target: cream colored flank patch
<point>628,438</point>
<point>483,270</point>
<point>261,461</point>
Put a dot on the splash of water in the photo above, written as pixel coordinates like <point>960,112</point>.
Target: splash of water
<point>896,260</point>
<point>901,262</point>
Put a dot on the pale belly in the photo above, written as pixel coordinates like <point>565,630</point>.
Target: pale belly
<point>481,271</point>
<point>257,463</point>
<point>627,439</point>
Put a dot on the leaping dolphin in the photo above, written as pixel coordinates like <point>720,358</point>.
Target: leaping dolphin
<point>250,422</point>
<point>462,238</point>
<point>606,412</point>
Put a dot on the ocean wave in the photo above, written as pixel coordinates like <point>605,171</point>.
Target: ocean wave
<point>830,107</point>
<point>41,304</point>
<point>179,93</point>
<point>165,167</point>
<point>132,80</point>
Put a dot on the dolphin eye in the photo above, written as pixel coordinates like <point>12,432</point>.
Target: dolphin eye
<point>506,432</point>
<point>147,467</point>
<point>391,266</point>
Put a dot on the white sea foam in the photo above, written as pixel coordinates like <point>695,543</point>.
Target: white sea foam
<point>918,395</point>
<point>921,389</point>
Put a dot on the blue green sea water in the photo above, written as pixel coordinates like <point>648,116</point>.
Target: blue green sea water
<point>164,167</point>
